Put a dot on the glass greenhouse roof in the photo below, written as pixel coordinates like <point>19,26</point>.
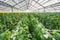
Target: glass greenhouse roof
<point>30,5</point>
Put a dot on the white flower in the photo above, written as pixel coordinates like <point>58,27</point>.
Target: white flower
<point>46,35</point>
<point>17,29</point>
<point>53,38</point>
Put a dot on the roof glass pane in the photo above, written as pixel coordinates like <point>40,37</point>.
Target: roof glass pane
<point>11,2</point>
<point>17,1</point>
<point>30,5</point>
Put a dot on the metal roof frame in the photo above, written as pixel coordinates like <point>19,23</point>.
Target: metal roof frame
<point>28,3</point>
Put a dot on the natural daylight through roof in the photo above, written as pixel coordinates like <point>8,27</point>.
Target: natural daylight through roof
<point>30,5</point>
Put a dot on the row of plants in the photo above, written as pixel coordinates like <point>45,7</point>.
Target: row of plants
<point>29,26</point>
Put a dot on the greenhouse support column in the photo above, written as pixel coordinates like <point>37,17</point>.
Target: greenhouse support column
<point>27,3</point>
<point>44,9</point>
<point>11,9</point>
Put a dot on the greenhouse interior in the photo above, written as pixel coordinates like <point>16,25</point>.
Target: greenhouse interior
<point>29,19</point>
